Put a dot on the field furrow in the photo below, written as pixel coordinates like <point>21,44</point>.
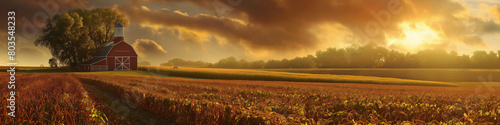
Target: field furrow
<point>202,101</point>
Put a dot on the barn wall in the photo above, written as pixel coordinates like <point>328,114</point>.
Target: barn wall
<point>122,49</point>
<point>81,67</point>
<point>133,63</point>
<point>84,68</point>
<point>103,62</point>
<point>118,50</point>
<point>111,63</point>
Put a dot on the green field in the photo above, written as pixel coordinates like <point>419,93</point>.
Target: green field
<point>444,75</point>
<point>243,74</point>
<point>35,69</point>
<point>427,77</point>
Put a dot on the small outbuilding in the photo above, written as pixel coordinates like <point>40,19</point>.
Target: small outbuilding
<point>115,55</point>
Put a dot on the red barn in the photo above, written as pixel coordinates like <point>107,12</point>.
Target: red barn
<point>112,56</point>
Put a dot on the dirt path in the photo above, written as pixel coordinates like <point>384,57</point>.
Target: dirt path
<point>120,112</point>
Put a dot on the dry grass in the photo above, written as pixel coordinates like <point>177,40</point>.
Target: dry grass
<point>242,74</point>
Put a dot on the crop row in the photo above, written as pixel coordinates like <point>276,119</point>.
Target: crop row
<point>47,99</point>
<point>260,102</point>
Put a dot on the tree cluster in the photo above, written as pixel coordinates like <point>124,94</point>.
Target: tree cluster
<point>368,56</point>
<point>72,37</point>
<point>53,63</point>
<point>184,63</point>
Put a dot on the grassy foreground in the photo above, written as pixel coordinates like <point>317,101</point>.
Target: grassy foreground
<point>35,69</point>
<point>242,74</point>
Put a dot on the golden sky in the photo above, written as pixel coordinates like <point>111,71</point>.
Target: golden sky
<point>209,30</point>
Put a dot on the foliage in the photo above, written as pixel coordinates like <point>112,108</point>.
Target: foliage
<point>257,64</point>
<point>146,63</point>
<point>229,62</point>
<point>371,56</point>
<point>72,37</point>
<point>181,62</point>
<point>53,63</point>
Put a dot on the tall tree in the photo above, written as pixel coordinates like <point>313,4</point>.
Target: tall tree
<point>72,37</point>
<point>146,63</point>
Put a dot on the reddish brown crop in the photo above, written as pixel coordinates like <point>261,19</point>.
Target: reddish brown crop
<point>61,98</point>
<point>49,99</point>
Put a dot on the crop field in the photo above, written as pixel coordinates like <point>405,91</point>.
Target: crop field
<point>444,75</point>
<point>49,99</point>
<point>243,74</point>
<point>154,97</point>
<point>272,102</point>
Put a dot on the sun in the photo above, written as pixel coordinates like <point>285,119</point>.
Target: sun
<point>415,35</point>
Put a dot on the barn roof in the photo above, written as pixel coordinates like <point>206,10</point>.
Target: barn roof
<point>94,60</point>
<point>118,25</point>
<point>104,49</point>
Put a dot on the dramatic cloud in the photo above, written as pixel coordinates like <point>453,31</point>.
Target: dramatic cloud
<point>148,48</point>
<point>275,29</point>
<point>189,35</point>
<point>30,18</point>
<point>252,35</point>
<point>31,14</point>
<point>285,25</point>
<point>474,40</point>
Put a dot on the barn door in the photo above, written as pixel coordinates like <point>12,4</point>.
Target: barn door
<point>122,63</point>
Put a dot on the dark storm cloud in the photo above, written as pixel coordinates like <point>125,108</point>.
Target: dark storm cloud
<point>255,36</point>
<point>272,24</point>
<point>280,24</point>
<point>284,24</point>
<point>30,17</point>
<point>31,14</point>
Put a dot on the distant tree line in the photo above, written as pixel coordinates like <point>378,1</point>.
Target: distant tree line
<point>186,63</point>
<point>368,56</point>
<point>146,63</point>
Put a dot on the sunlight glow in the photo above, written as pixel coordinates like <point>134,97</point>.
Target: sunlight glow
<point>393,41</point>
<point>416,34</point>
